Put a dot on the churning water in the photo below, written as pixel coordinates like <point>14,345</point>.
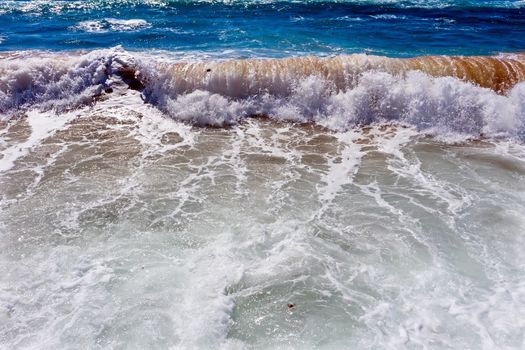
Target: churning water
<point>162,199</point>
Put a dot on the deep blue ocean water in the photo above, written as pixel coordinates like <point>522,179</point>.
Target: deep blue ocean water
<point>267,28</point>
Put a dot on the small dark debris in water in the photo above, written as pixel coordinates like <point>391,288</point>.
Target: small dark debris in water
<point>48,155</point>
<point>142,267</point>
<point>108,90</point>
<point>291,306</point>
<point>208,70</point>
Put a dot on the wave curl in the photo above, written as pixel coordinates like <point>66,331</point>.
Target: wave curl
<point>470,96</point>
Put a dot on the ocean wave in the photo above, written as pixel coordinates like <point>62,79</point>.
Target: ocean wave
<point>112,24</point>
<point>442,106</point>
<point>52,81</point>
<point>469,96</point>
<point>61,6</point>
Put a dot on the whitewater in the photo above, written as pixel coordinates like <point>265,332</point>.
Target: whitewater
<point>261,175</point>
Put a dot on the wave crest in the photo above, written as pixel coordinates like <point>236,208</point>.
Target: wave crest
<point>469,96</point>
<point>52,81</point>
<point>440,95</point>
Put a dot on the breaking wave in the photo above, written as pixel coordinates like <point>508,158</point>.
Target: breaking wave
<point>112,24</point>
<point>443,96</point>
<point>54,81</point>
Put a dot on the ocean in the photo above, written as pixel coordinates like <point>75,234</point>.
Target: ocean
<point>262,174</point>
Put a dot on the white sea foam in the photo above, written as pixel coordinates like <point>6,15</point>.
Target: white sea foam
<point>61,6</point>
<point>361,91</point>
<point>203,241</point>
<point>342,169</point>
<point>440,106</point>
<point>47,81</point>
<point>112,24</point>
<point>388,16</point>
<point>42,126</point>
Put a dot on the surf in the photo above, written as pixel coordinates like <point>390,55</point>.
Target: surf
<point>440,95</point>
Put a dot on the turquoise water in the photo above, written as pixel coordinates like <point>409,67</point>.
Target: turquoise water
<point>267,28</point>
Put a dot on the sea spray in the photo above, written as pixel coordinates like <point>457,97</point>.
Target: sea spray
<point>338,93</point>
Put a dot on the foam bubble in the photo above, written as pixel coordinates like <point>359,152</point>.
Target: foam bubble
<point>42,126</point>
<point>443,106</point>
<point>112,24</point>
<point>375,235</point>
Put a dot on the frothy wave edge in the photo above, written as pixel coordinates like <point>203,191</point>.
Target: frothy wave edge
<point>439,95</point>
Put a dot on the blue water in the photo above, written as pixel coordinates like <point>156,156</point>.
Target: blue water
<point>267,28</point>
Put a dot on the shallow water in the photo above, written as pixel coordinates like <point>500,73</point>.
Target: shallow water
<point>124,229</point>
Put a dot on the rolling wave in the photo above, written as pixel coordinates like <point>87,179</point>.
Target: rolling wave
<point>468,96</point>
